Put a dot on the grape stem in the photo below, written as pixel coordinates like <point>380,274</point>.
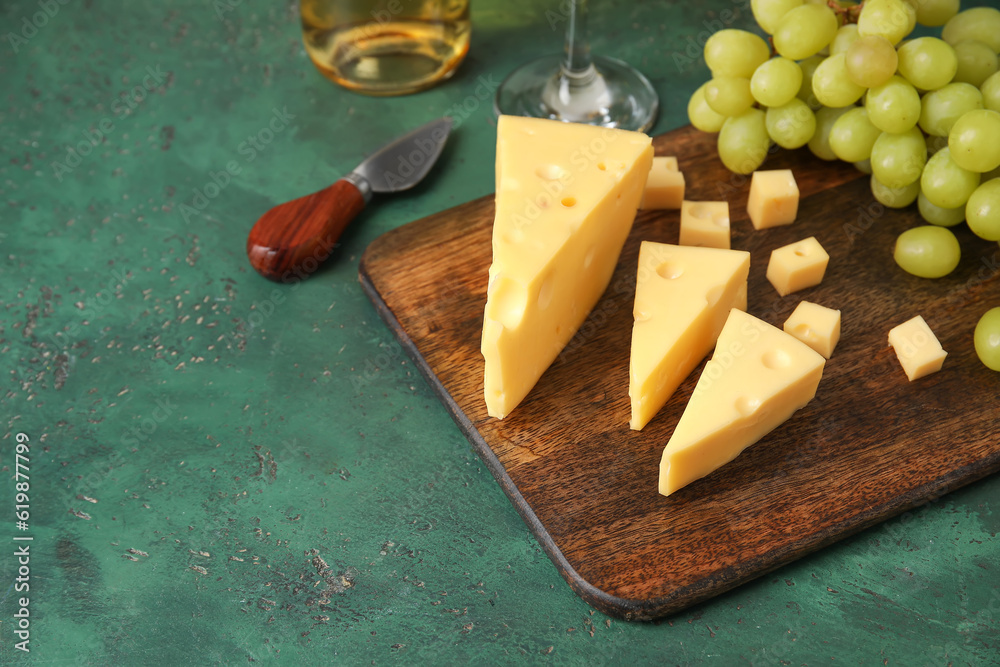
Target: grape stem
<point>845,14</point>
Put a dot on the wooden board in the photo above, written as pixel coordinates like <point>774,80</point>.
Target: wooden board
<point>870,445</point>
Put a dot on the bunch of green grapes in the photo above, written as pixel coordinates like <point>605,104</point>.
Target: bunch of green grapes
<point>922,116</point>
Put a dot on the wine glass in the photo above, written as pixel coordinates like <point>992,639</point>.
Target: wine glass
<point>579,88</point>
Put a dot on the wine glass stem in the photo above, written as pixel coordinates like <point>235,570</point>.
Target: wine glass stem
<point>577,87</point>
<point>578,66</point>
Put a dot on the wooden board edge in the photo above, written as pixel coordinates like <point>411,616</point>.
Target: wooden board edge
<point>656,608</point>
<point>597,598</point>
<point>759,567</point>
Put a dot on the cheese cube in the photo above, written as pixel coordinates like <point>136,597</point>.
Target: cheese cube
<point>917,348</point>
<point>774,198</point>
<point>816,326</point>
<point>797,265</point>
<point>705,223</point>
<point>664,185</point>
<point>669,162</point>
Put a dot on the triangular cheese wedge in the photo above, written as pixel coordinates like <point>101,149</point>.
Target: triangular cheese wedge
<point>566,197</point>
<point>683,296</point>
<point>756,379</point>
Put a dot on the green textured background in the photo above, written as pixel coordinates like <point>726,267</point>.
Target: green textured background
<point>277,437</point>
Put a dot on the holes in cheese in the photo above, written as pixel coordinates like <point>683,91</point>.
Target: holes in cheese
<point>703,211</point>
<point>513,236</point>
<point>507,302</point>
<point>664,185</point>
<point>722,419</point>
<point>816,326</point>
<point>554,249</point>
<point>670,270</point>
<point>746,405</point>
<point>775,359</point>
<point>551,172</point>
<point>682,298</point>
<point>705,223</point>
<point>797,266</point>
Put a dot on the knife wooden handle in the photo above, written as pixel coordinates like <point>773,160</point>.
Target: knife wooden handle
<point>293,239</point>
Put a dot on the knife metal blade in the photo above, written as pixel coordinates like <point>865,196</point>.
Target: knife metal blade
<point>402,163</point>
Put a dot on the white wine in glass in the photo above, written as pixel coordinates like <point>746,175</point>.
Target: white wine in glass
<point>579,88</point>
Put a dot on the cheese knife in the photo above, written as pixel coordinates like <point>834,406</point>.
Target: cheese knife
<point>292,240</point>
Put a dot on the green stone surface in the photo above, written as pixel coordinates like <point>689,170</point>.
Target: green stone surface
<point>225,470</point>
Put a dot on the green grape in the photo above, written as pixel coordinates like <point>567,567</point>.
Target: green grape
<point>743,142</point>
<point>735,53</point>
<point>864,166</point>
<point>927,62</point>
<point>982,211</point>
<point>791,125</point>
<point>852,136</point>
<point>942,217</point>
<point>805,31</point>
<point>701,115</point>
<point>892,19</point>
<point>894,106</point>
<point>927,251</point>
<point>871,61</point>
<point>820,142</point>
<point>991,92</point>
<point>806,94</point>
<point>979,23</point>
<point>895,197</point>
<point>846,35</point>
<point>898,159</point>
<point>769,12</point>
<point>776,82</point>
<point>986,339</point>
<point>728,95</point>
<point>974,140</point>
<point>832,86</point>
<point>941,108</point>
<point>944,183</point>
<point>976,62</point>
<point>933,13</point>
<point>935,143</point>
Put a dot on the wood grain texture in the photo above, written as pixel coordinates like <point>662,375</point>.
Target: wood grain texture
<point>293,239</point>
<point>870,445</point>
